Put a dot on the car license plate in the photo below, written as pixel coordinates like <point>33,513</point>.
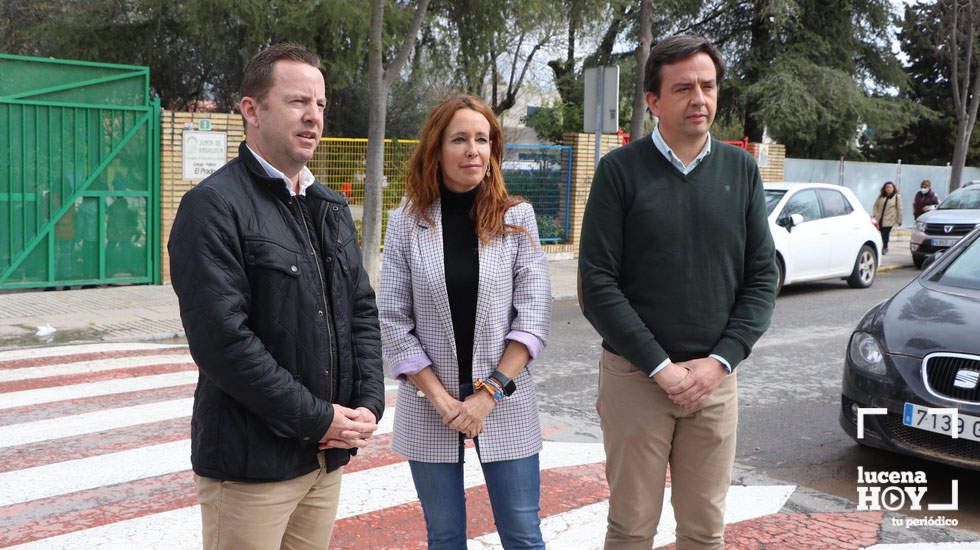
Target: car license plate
<point>944,242</point>
<point>917,416</point>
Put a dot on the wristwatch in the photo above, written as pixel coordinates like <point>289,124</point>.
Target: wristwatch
<point>506,383</point>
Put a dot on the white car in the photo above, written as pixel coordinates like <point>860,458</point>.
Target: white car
<point>821,231</point>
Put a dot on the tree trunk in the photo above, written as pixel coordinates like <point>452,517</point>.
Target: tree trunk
<point>760,55</point>
<point>965,80</point>
<point>964,132</point>
<point>379,80</point>
<point>642,52</point>
<point>564,70</point>
<point>374,176</point>
<point>603,54</point>
<point>959,155</point>
<point>514,86</point>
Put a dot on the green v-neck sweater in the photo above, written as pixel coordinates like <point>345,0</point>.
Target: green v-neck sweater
<point>677,266</point>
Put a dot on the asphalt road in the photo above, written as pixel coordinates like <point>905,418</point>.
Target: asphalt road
<point>789,391</point>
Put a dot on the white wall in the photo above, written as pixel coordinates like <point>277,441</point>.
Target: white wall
<point>866,178</point>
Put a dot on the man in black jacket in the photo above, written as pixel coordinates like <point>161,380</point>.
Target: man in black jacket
<point>280,319</point>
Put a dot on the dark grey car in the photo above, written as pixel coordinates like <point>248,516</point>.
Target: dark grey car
<point>920,350</point>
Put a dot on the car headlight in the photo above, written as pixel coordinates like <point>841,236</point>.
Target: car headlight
<point>920,226</point>
<point>866,354</point>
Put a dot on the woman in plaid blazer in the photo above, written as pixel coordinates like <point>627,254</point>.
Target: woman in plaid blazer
<point>465,305</point>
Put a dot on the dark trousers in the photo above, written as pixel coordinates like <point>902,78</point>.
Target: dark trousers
<point>885,232</point>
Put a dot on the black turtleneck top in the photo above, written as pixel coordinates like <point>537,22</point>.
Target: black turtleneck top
<point>461,257</point>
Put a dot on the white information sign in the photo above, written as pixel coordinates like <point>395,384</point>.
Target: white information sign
<point>204,152</point>
<point>601,99</point>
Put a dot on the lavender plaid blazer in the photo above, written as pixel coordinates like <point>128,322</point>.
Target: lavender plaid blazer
<point>416,328</point>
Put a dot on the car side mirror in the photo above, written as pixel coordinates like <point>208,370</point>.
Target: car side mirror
<point>790,221</point>
<point>931,258</point>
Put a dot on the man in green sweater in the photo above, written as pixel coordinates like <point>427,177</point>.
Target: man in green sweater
<point>678,277</point>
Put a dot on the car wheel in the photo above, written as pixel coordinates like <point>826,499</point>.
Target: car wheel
<point>779,275</point>
<point>918,260</point>
<point>865,268</point>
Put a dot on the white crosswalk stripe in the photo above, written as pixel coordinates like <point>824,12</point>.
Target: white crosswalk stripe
<point>93,389</point>
<point>377,488</point>
<point>62,351</point>
<point>81,424</point>
<point>584,528</point>
<point>172,530</point>
<point>86,367</point>
<point>88,473</point>
<point>380,484</point>
<point>927,546</point>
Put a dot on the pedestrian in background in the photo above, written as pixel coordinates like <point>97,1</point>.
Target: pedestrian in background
<point>925,197</point>
<point>280,319</point>
<point>888,212</point>
<point>678,277</point>
<point>465,305</point>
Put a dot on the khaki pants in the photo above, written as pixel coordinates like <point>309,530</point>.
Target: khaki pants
<point>642,432</point>
<point>293,514</point>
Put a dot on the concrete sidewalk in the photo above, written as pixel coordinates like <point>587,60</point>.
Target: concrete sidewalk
<point>135,313</point>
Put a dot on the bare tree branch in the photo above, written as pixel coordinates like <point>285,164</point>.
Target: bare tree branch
<point>604,51</point>
<point>527,65</point>
<point>494,84</point>
<point>393,68</point>
<point>955,54</point>
<point>530,58</point>
<point>974,97</point>
<point>719,11</point>
<point>974,101</point>
<point>513,64</point>
<point>510,98</point>
<point>968,65</point>
<point>642,52</point>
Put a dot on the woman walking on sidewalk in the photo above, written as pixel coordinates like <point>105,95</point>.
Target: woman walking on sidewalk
<point>465,305</point>
<point>888,212</point>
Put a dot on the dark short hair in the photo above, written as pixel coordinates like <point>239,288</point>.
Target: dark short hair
<point>257,79</point>
<point>678,48</point>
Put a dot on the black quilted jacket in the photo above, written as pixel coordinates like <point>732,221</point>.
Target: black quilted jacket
<point>255,310</point>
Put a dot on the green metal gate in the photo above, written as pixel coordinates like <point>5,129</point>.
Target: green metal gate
<point>79,200</point>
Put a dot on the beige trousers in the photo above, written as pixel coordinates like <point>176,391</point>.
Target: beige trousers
<point>643,431</point>
<point>294,514</point>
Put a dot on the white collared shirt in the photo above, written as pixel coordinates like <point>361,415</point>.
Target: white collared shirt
<point>668,153</point>
<point>306,178</point>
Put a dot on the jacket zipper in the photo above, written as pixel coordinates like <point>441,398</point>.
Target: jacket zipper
<point>323,294</point>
